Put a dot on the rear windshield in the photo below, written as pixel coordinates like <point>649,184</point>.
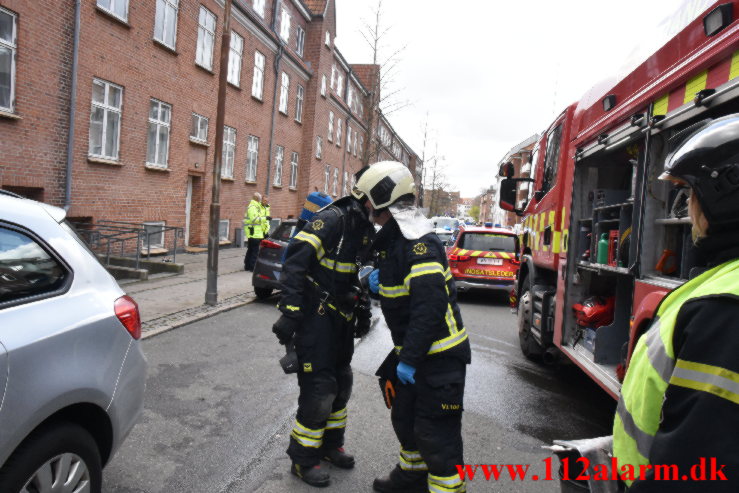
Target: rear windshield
<point>445,222</point>
<point>488,242</point>
<point>284,231</point>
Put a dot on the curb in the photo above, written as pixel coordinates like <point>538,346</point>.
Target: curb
<point>178,319</point>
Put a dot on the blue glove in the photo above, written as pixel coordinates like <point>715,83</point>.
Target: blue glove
<point>374,281</point>
<point>405,373</point>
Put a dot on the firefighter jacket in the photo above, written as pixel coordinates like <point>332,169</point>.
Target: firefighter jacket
<point>254,219</point>
<point>679,402</point>
<point>419,298</point>
<point>322,259</point>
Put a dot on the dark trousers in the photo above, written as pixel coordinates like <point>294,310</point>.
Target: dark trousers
<point>427,419</point>
<point>252,249</point>
<point>325,346</point>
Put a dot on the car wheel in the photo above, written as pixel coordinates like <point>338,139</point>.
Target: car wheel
<point>59,458</point>
<point>263,293</point>
<point>529,346</point>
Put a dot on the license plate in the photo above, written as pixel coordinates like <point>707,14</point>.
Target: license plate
<point>490,261</point>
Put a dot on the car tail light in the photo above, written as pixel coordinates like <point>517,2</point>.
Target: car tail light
<point>262,276</point>
<point>459,258</point>
<point>127,312</point>
<point>269,244</point>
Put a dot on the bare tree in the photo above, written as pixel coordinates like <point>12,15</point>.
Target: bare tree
<point>382,99</point>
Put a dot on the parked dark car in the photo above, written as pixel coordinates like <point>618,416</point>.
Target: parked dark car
<point>266,276</point>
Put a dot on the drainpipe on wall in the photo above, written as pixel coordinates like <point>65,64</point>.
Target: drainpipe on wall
<point>72,110</point>
<point>276,66</point>
<point>343,158</point>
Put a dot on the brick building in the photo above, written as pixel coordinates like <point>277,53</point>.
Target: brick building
<point>145,111</point>
<point>520,156</point>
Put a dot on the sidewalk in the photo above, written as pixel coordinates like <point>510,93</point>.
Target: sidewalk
<point>167,302</point>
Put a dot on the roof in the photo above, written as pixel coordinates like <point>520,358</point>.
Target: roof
<point>519,147</point>
<point>317,7</point>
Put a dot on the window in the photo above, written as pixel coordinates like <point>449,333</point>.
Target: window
<point>328,39</point>
<point>355,144</point>
<point>165,22</point>
<point>348,139</point>
<point>323,85</point>
<point>338,133</point>
<point>284,92</point>
<point>258,82</point>
<point>330,126</point>
<point>333,76</point>
<point>300,44</point>
<point>299,104</point>
<point>158,141</point>
<point>285,25</point>
<point>154,234</point>
<point>234,59</point>
<point>319,145</point>
<point>335,186</point>
<point>279,158</point>
<point>252,156</point>
<point>229,152</point>
<point>199,130</point>
<point>294,170</point>
<point>552,159</point>
<point>326,176</point>
<point>28,270</point>
<point>340,86</point>
<point>223,229</point>
<point>361,143</point>
<point>346,184</point>
<point>350,97</point>
<point>118,8</point>
<point>8,36</point>
<point>259,7</point>
<point>206,35</point>
<point>105,119</point>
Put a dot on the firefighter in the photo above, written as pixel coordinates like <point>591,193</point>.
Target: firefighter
<point>253,230</point>
<point>418,299</point>
<point>321,315</point>
<point>679,402</point>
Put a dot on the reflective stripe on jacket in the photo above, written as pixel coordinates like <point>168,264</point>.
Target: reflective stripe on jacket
<point>656,366</point>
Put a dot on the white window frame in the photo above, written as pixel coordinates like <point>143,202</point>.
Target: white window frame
<point>319,146</point>
<point>234,59</point>
<point>11,45</point>
<point>338,133</point>
<point>361,144</point>
<point>284,93</point>
<point>299,103</point>
<point>285,19</point>
<point>258,6</point>
<point>335,185</point>
<point>333,76</point>
<point>257,85</point>
<point>350,97</point>
<point>229,144</point>
<point>355,143</point>
<point>327,39</point>
<point>197,127</point>
<point>279,160</point>
<point>323,85</point>
<point>300,41</point>
<point>110,9</point>
<point>330,126</point>
<point>348,139</point>
<point>221,222</point>
<point>327,177</point>
<point>340,85</point>
<point>204,32</point>
<point>107,109</point>
<point>345,184</point>
<point>149,239</point>
<point>158,123</point>
<point>252,158</point>
<point>294,171</point>
<point>171,8</point>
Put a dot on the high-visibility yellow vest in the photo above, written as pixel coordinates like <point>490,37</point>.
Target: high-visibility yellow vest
<point>653,367</point>
<point>254,221</point>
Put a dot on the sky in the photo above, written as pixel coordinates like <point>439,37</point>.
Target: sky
<point>491,73</point>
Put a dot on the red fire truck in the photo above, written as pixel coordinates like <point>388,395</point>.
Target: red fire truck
<point>602,241</point>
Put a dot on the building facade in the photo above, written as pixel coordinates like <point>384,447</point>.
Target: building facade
<point>144,109</point>
<point>520,156</point>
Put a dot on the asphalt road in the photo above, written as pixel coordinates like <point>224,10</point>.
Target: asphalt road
<point>219,409</point>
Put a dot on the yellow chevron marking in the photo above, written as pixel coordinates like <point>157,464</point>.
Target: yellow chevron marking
<point>660,106</point>
<point>551,218</point>
<point>734,70</point>
<point>694,85</point>
<point>556,239</point>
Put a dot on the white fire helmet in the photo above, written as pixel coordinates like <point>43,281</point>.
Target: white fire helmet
<point>383,183</point>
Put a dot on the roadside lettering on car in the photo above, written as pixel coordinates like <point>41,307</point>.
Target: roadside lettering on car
<point>496,273</point>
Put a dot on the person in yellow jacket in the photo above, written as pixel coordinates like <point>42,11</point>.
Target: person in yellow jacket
<point>679,406</point>
<point>254,230</point>
<point>267,216</point>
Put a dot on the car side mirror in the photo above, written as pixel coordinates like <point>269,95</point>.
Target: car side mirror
<point>508,189</point>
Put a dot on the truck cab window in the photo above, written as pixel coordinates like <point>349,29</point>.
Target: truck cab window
<point>552,159</point>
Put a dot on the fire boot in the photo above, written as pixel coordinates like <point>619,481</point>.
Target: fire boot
<point>399,481</point>
<point>339,458</point>
<point>313,476</point>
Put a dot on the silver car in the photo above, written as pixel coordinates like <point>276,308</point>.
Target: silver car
<point>72,373</point>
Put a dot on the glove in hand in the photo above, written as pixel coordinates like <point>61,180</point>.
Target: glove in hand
<point>374,281</point>
<point>405,373</point>
<point>285,328</point>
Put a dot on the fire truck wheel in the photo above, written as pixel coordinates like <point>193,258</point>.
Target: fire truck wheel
<point>529,346</point>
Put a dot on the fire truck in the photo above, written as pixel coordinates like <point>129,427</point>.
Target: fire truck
<point>601,239</point>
